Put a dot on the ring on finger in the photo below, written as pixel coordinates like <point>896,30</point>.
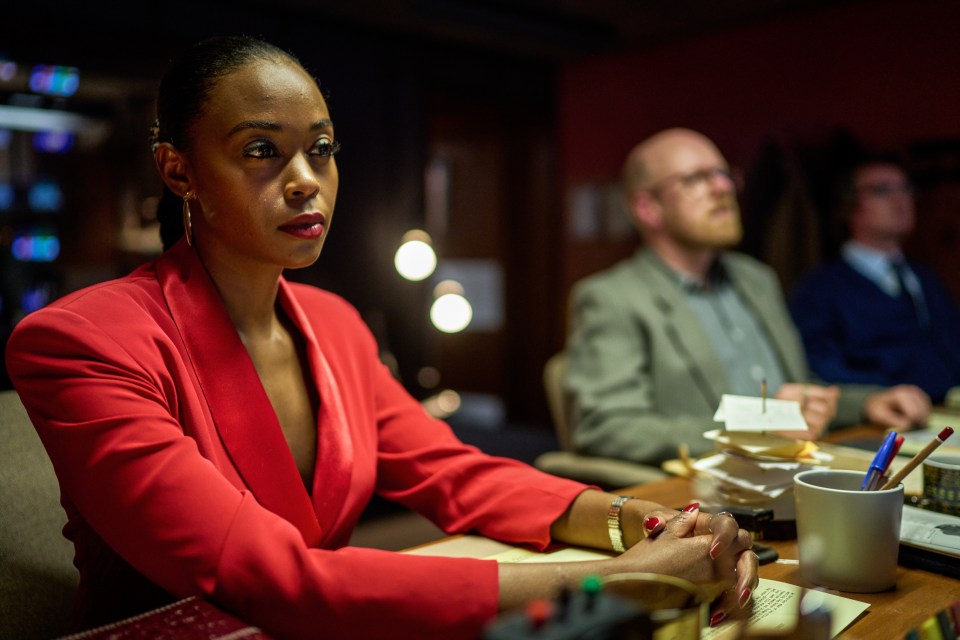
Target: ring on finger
<point>721,513</point>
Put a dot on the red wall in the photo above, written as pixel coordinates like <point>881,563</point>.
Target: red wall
<point>886,72</point>
<point>889,71</point>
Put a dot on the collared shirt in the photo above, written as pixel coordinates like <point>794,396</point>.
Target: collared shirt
<point>739,340</point>
<point>877,267</point>
<point>880,268</point>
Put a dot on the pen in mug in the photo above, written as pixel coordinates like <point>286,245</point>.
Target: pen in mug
<point>917,459</point>
<point>882,476</point>
<point>893,454</point>
<point>879,462</point>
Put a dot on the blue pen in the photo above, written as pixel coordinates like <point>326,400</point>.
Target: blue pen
<point>879,462</point>
<point>878,480</point>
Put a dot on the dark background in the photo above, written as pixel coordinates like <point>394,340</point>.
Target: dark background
<point>531,107</point>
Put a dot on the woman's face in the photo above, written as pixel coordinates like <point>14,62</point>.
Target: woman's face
<point>263,168</point>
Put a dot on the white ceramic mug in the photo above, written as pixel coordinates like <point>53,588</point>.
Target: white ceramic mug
<point>847,539</point>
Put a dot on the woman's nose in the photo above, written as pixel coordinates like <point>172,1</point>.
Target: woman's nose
<point>302,179</point>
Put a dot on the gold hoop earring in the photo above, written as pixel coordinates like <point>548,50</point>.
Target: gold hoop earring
<point>187,221</point>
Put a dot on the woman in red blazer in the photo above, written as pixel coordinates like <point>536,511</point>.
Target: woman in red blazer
<point>217,430</point>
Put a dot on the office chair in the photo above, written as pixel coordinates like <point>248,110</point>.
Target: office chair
<point>607,473</point>
<point>37,578</point>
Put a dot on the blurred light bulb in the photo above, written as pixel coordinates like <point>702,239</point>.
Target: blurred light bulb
<point>451,313</point>
<point>415,259</point>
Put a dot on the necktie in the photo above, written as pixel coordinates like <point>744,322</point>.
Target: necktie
<point>915,298</point>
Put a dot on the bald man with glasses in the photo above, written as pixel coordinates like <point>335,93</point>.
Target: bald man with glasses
<point>657,339</point>
<point>871,316</point>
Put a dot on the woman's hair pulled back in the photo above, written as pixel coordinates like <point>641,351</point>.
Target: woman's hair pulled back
<point>182,97</point>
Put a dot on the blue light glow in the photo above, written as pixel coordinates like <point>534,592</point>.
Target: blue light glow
<point>45,196</point>
<point>35,298</point>
<point>8,70</point>
<point>55,80</point>
<point>7,196</point>
<point>37,247</point>
<point>53,141</point>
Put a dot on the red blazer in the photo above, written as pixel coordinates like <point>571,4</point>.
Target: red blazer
<point>170,457</point>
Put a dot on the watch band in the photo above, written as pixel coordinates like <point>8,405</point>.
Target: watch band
<point>614,525</point>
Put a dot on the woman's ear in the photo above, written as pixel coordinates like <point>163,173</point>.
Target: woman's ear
<point>174,168</point>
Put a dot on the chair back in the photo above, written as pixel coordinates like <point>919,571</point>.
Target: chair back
<point>553,373</point>
<point>38,581</point>
<point>607,473</point>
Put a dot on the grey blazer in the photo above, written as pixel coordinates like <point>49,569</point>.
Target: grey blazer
<point>642,376</point>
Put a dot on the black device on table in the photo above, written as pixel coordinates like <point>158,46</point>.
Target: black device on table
<point>758,521</point>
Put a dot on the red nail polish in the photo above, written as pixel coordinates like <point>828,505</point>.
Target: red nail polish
<point>713,550</point>
<point>650,523</point>
<point>693,506</point>
<point>717,618</point>
<point>744,597</point>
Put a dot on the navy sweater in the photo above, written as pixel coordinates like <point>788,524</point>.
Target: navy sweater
<point>853,331</point>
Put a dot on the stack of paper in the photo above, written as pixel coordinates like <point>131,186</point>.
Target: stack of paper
<point>740,480</point>
<point>765,447</point>
<point>754,466</point>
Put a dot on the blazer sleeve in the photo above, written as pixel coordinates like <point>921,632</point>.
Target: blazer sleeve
<point>106,411</point>
<point>423,465</point>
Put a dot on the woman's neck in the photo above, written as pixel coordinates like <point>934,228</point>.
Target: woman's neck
<point>249,293</point>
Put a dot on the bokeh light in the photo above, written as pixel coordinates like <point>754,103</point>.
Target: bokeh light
<point>415,259</point>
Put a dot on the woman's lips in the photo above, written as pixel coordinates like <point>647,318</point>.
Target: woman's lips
<point>307,226</point>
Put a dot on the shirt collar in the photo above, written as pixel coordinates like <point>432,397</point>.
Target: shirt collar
<point>861,254</point>
<point>872,263</point>
<point>716,276</point>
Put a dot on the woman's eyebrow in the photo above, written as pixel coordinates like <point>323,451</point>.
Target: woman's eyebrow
<point>269,125</point>
<point>254,124</point>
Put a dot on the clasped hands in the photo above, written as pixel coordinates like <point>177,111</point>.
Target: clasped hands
<point>710,550</point>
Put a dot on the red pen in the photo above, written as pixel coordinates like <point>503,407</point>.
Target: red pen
<point>893,454</point>
<point>883,474</point>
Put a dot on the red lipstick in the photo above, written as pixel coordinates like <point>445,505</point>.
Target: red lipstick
<point>307,226</point>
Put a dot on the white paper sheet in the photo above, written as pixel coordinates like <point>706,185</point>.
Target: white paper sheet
<point>748,413</point>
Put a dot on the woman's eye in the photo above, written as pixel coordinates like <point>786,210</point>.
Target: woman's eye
<point>260,150</point>
<point>325,148</point>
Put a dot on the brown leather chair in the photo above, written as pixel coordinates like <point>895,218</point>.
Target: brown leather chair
<point>37,578</point>
<point>608,473</point>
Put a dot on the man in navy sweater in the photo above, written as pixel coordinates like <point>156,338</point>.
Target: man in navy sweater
<point>871,317</point>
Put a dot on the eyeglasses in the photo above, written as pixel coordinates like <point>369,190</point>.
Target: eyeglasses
<point>698,182</point>
<point>884,190</point>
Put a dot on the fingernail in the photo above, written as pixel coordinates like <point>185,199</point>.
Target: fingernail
<point>651,522</point>
<point>717,618</point>
<point>745,597</point>
<point>714,550</point>
<point>693,506</point>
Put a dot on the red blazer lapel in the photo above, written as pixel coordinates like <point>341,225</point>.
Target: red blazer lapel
<point>241,411</point>
<point>332,472</point>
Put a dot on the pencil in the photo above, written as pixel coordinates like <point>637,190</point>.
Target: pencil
<point>917,459</point>
<point>763,396</point>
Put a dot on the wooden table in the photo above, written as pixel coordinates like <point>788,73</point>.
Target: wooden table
<point>917,596</point>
